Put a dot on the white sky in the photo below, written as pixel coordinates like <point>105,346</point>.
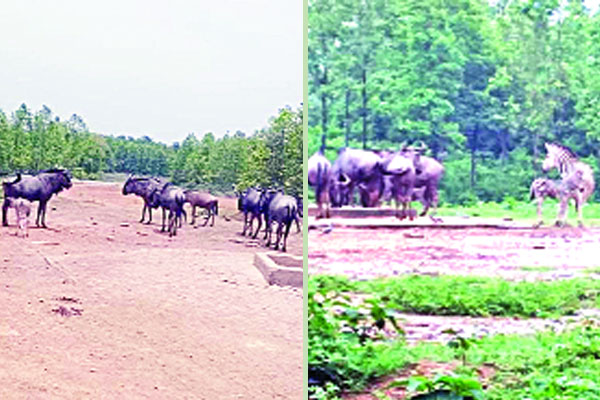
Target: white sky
<point>157,68</point>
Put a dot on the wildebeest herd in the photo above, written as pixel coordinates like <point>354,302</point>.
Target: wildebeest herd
<point>272,206</point>
<point>379,175</point>
<point>407,175</point>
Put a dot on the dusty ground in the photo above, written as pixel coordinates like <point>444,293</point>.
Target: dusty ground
<point>545,253</point>
<point>101,306</point>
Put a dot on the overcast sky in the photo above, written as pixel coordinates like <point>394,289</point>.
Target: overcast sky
<point>157,68</point>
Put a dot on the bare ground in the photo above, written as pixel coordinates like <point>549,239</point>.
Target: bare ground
<point>545,253</point>
<point>101,306</point>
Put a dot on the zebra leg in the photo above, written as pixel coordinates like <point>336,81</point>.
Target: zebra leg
<point>540,220</point>
<point>562,211</point>
<point>579,208</point>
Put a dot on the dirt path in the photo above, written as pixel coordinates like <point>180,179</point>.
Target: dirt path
<point>546,253</point>
<point>101,306</point>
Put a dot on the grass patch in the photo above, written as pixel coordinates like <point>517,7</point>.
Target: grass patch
<point>537,269</point>
<point>547,365</point>
<point>470,296</point>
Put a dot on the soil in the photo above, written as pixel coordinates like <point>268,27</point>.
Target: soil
<point>544,253</point>
<point>101,306</point>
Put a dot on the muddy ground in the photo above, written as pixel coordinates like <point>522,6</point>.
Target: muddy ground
<point>101,306</point>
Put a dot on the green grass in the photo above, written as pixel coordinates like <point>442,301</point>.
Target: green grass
<point>472,296</point>
<point>547,365</point>
<point>537,269</point>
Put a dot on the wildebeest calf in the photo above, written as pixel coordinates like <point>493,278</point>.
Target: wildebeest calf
<point>202,200</point>
<point>23,210</point>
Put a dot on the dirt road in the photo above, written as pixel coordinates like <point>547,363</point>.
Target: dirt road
<point>545,253</point>
<point>99,306</point>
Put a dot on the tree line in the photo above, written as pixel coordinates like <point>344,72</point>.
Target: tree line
<point>483,84</point>
<point>32,141</point>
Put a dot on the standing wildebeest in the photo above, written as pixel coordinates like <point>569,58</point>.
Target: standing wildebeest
<point>202,200</point>
<point>282,209</point>
<point>248,203</point>
<point>172,198</point>
<point>555,189</point>
<point>352,167</point>
<point>566,162</point>
<point>143,187</point>
<point>409,176</point>
<point>40,188</point>
<point>319,171</point>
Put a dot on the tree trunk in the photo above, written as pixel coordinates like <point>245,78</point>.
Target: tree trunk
<point>364,108</point>
<point>347,117</point>
<point>324,104</point>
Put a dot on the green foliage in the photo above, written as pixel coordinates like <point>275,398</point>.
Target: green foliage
<point>483,84</point>
<point>272,157</point>
<point>456,295</point>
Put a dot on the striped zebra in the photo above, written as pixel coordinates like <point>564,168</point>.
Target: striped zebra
<point>576,176</point>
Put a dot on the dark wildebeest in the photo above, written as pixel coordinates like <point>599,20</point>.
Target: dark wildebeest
<point>40,188</point>
<point>169,198</point>
<point>203,200</point>
<point>400,166</point>
<point>143,187</point>
<point>567,163</point>
<point>282,209</point>
<point>248,203</point>
<point>319,171</point>
<point>352,167</point>
<point>402,182</point>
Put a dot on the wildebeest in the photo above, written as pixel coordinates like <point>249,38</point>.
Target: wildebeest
<point>143,187</point>
<point>23,210</point>
<point>555,189</point>
<point>282,209</point>
<point>352,167</point>
<point>400,166</point>
<point>567,163</point>
<point>408,176</point>
<point>171,198</point>
<point>319,171</point>
<point>40,188</point>
<point>202,200</point>
<point>248,203</point>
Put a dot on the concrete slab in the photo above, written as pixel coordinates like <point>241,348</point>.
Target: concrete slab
<point>280,269</point>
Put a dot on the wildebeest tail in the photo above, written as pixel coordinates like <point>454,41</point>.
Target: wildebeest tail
<point>216,207</point>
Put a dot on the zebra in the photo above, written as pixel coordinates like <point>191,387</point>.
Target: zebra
<point>573,173</point>
<point>555,189</point>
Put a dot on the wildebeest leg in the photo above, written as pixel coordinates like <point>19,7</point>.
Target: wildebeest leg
<point>259,223</point>
<point>164,215</point>
<point>298,230</point>
<point>278,237</point>
<point>41,216</point>
<point>144,211</point>
<point>285,235</point>
<point>5,212</point>
<point>193,215</point>
<point>245,223</point>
